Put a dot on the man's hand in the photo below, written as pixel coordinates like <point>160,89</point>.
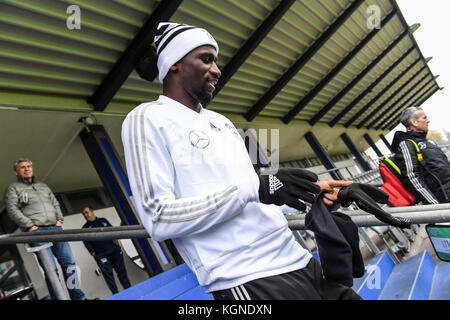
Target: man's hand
<point>31,229</point>
<point>330,197</point>
<point>59,223</point>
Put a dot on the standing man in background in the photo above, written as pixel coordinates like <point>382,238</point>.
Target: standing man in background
<point>107,253</point>
<point>33,207</point>
<point>425,168</point>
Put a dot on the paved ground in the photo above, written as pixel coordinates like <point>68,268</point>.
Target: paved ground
<point>421,243</point>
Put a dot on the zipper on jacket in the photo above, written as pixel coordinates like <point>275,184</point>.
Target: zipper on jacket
<point>42,202</point>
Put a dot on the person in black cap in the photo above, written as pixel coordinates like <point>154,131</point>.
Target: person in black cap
<point>107,253</point>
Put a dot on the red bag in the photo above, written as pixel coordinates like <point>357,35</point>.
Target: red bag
<point>398,195</point>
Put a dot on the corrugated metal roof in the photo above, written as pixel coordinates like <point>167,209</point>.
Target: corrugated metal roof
<point>40,54</point>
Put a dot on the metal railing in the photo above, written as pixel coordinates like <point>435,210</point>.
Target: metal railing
<point>417,214</point>
<point>47,265</point>
<point>88,234</point>
<point>437,213</point>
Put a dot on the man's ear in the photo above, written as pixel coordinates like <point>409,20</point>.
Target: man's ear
<point>175,67</point>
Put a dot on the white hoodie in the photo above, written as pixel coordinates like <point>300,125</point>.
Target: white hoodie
<point>193,182</point>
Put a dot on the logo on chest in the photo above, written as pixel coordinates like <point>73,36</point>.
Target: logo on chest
<point>233,130</point>
<point>199,139</point>
<point>422,145</point>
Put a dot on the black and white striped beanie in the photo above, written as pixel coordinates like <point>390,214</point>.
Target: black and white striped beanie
<point>173,41</point>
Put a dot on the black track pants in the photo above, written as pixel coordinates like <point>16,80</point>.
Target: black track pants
<point>303,284</point>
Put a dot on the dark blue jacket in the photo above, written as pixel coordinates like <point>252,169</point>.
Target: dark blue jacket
<point>100,247</point>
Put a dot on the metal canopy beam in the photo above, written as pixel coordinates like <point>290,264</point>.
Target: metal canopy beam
<point>372,144</point>
<point>341,65</point>
<point>405,25</point>
<point>393,122</point>
<point>105,159</point>
<point>413,40</point>
<point>355,81</point>
<point>388,145</point>
<point>125,65</point>
<point>394,119</point>
<point>397,120</point>
<point>422,100</point>
<point>323,156</point>
<point>392,115</point>
<point>252,43</point>
<point>369,88</point>
<point>256,152</point>
<point>410,31</point>
<point>382,92</point>
<point>392,106</point>
<point>392,96</point>
<point>351,146</point>
<point>401,106</point>
<point>300,63</point>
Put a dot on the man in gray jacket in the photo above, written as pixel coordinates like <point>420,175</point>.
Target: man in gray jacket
<point>33,207</point>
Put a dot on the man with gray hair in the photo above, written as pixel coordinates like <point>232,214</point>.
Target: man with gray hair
<point>425,168</point>
<point>33,207</point>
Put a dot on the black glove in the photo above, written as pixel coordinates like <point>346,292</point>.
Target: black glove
<point>366,197</point>
<point>287,186</point>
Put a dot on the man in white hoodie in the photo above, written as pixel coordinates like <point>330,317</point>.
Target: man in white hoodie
<point>193,182</point>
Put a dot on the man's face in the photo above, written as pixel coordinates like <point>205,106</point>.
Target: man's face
<point>420,122</point>
<point>24,170</point>
<point>88,214</point>
<point>199,73</point>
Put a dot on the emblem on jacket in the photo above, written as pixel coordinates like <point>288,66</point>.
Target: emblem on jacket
<point>422,145</point>
<point>233,130</point>
<point>213,127</point>
<point>199,139</point>
<point>23,198</point>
